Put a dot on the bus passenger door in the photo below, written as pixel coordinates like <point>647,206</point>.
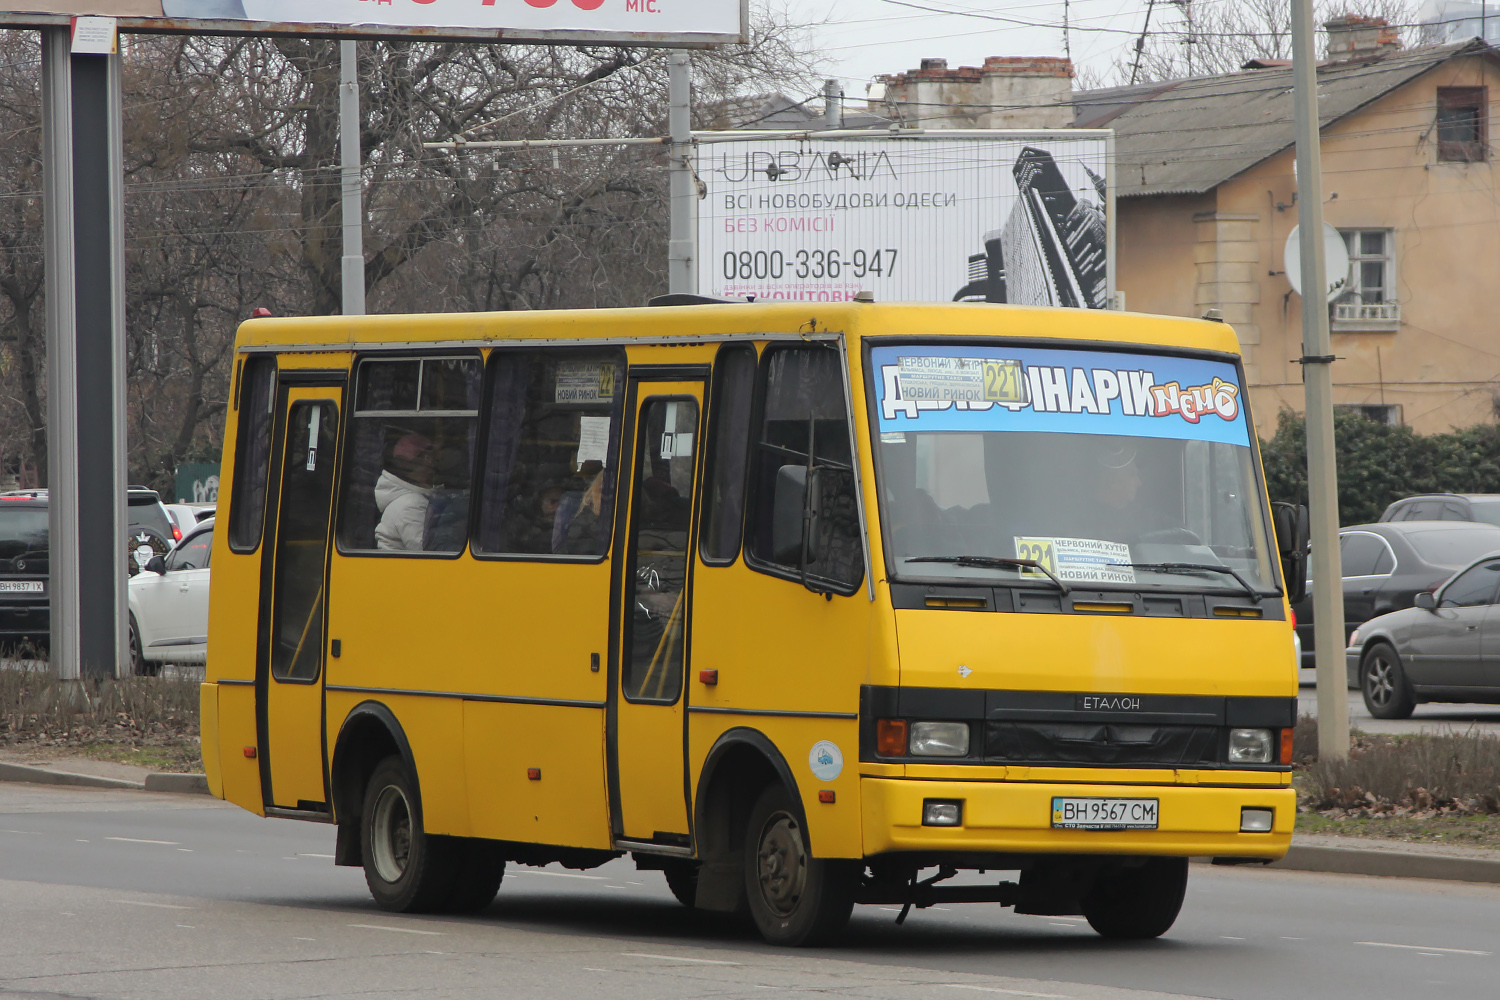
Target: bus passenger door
<point>293,600</point>
<point>647,728</point>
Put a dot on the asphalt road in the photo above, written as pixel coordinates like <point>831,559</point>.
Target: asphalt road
<point>122,895</point>
<point>1429,718</point>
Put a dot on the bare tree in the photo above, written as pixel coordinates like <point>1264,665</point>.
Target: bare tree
<point>23,434</point>
<point>1209,39</point>
<point>233,200</point>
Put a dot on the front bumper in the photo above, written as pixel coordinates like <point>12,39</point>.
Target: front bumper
<point>25,620</point>
<point>1015,817</point>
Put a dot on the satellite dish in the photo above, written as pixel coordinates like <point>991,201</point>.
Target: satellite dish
<point>1335,261</point>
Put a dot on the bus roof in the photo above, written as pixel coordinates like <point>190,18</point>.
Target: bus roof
<point>699,323</point>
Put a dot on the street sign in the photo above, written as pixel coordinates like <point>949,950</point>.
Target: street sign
<point>991,216</point>
<point>1335,261</point>
<point>645,22</point>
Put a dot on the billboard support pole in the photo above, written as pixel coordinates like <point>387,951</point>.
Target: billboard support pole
<point>1317,375</point>
<point>349,161</point>
<point>83,180</point>
<point>681,276</point>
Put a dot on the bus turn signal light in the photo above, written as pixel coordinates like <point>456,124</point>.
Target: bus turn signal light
<point>890,737</point>
<point>826,795</point>
<point>709,677</point>
<point>533,774</point>
<point>250,752</point>
<point>1286,745</point>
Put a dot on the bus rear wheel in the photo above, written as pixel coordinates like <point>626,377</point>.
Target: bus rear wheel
<point>682,879</point>
<point>407,870</point>
<point>478,869</point>
<point>795,899</point>
<point>1136,902</point>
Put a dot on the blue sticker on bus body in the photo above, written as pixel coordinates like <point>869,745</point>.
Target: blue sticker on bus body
<point>997,388</point>
<point>826,760</point>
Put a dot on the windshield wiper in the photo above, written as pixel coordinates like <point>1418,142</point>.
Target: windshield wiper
<point>1178,567</point>
<point>995,562</point>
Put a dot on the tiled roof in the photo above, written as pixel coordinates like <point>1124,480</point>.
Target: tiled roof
<point>1189,136</point>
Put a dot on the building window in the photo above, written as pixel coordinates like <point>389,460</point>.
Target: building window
<point>1461,116</point>
<point>1381,413</point>
<point>1367,302</point>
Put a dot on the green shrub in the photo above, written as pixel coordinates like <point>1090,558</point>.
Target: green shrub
<point>1379,463</point>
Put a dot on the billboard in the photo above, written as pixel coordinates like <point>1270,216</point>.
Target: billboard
<point>1001,217</point>
<point>660,22</point>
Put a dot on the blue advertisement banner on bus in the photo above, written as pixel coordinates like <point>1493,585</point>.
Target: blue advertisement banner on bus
<point>998,388</point>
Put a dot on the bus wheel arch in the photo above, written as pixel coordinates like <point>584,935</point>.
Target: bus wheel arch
<point>742,763</point>
<point>370,733</point>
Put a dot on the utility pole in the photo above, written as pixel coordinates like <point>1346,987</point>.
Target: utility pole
<point>681,255</point>
<point>1317,377</point>
<point>83,180</point>
<point>349,162</point>
<point>1140,43</point>
<point>1067,48</point>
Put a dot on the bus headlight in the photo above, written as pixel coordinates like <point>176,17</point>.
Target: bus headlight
<point>1250,746</point>
<point>939,739</point>
<point>942,812</point>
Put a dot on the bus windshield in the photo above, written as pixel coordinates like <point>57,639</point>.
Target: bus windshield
<point>1105,470</point>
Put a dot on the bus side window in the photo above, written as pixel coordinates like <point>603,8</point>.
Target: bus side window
<point>729,427</point>
<point>410,457</point>
<point>252,456</point>
<point>548,485</point>
<point>801,398</point>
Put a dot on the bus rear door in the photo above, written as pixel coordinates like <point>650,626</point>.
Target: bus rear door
<point>647,715</point>
<point>293,599</point>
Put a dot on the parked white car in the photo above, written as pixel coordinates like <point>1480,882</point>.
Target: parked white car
<point>186,516</point>
<point>169,605</point>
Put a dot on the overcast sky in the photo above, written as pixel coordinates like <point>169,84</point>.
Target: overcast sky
<point>863,38</point>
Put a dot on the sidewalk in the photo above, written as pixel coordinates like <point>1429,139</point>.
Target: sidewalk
<point>97,774</point>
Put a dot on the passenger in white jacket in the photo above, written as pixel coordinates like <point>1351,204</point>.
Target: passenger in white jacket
<point>402,494</point>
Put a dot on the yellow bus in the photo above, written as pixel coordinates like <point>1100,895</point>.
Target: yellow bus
<point>804,605</point>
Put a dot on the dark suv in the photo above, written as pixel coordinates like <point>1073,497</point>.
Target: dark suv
<point>24,566</point>
<point>1446,507</point>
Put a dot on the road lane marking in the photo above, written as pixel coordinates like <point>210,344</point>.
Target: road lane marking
<point>676,958</point>
<point>328,856</point>
<point>159,906</point>
<point>137,840</point>
<point>1230,937</point>
<point>1012,993</point>
<point>398,930</point>
<point>1422,947</point>
<point>303,939</point>
<point>599,878</point>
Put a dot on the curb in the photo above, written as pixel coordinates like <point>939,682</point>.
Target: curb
<point>166,781</point>
<point>1388,863</point>
<point>157,782</point>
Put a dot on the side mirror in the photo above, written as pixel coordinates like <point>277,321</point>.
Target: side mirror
<point>1425,599</point>
<point>787,508</point>
<point>1292,524</point>
<point>157,565</point>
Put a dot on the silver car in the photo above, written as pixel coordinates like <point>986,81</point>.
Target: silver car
<point>1444,648</point>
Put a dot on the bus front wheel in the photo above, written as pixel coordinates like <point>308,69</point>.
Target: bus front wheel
<point>1136,901</point>
<point>407,870</point>
<point>795,898</point>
